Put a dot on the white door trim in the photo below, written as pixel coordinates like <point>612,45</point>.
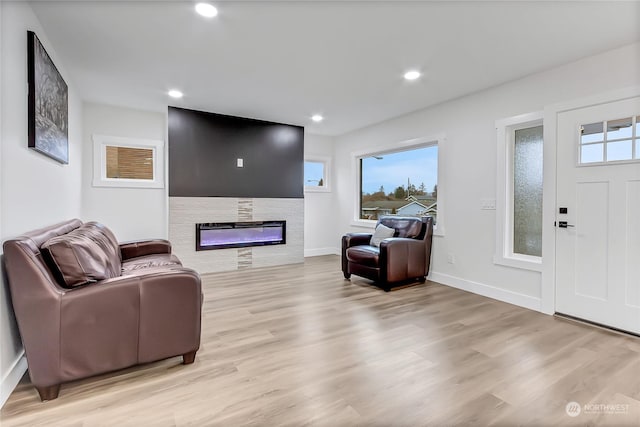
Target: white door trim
<point>548,284</point>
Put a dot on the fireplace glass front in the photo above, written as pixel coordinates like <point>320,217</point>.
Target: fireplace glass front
<point>223,235</point>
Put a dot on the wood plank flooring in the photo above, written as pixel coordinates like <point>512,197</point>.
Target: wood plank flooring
<point>298,345</point>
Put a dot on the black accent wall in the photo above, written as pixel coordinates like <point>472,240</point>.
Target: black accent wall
<point>204,148</point>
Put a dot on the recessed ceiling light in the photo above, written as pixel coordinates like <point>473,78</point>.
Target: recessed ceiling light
<point>412,75</point>
<point>317,118</point>
<point>207,10</point>
<point>175,93</point>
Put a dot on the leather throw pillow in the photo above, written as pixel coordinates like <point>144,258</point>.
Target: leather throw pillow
<point>87,254</point>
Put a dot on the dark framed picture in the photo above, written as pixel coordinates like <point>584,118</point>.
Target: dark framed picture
<point>48,104</point>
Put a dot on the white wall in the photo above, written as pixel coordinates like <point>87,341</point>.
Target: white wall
<point>35,190</point>
<point>132,213</point>
<point>468,165</point>
<point>319,211</point>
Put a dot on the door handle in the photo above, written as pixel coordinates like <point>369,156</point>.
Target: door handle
<point>564,224</point>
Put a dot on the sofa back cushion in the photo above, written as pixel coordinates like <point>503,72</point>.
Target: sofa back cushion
<point>87,254</point>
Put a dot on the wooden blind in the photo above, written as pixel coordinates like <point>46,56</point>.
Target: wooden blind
<point>129,163</point>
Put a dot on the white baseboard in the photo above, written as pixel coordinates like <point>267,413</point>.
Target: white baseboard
<point>321,251</point>
<point>526,301</point>
<point>12,378</point>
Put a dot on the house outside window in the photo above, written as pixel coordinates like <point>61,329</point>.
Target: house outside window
<point>401,182</point>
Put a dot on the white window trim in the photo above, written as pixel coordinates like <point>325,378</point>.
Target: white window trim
<point>634,138</point>
<point>100,143</point>
<point>505,129</point>
<point>326,179</point>
<point>411,144</point>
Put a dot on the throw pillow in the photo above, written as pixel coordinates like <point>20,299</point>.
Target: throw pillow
<point>382,232</point>
<point>82,256</point>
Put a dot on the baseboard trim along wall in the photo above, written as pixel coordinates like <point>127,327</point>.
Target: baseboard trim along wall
<point>321,252</point>
<point>526,301</point>
<point>12,378</point>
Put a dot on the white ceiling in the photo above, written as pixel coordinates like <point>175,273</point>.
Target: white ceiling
<point>284,61</point>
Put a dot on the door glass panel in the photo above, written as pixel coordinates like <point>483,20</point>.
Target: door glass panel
<point>592,133</point>
<point>618,129</point>
<point>527,192</point>
<point>619,150</point>
<point>591,153</point>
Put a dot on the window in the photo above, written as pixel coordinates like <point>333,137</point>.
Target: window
<point>527,191</point>
<point>127,162</point>
<point>400,182</point>
<point>519,192</point>
<point>316,174</point>
<point>620,141</point>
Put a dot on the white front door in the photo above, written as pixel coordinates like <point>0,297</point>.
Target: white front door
<point>598,253</point>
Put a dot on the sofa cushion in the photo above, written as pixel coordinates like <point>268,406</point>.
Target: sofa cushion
<point>85,255</point>
<point>382,232</point>
<point>134,265</point>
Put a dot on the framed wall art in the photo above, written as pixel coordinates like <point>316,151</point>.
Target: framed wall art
<point>48,104</point>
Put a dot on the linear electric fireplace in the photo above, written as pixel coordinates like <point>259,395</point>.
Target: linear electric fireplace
<point>223,235</point>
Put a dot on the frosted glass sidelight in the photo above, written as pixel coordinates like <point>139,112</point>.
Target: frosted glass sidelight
<point>527,192</point>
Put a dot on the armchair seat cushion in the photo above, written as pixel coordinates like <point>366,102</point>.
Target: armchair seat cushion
<point>364,255</point>
<point>149,261</point>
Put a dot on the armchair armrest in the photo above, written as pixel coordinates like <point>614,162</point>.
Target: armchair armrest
<point>349,240</point>
<point>355,239</point>
<point>144,247</point>
<point>403,258</point>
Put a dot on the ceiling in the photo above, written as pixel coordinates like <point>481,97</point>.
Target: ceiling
<point>285,61</point>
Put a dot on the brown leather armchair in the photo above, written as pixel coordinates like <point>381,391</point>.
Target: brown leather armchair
<point>148,310</point>
<point>398,260</point>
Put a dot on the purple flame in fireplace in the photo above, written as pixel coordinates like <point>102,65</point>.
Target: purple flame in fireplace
<point>230,235</point>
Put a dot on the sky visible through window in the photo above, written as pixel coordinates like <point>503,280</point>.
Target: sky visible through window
<point>313,173</point>
<point>393,169</point>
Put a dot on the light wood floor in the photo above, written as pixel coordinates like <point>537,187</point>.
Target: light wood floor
<point>299,345</point>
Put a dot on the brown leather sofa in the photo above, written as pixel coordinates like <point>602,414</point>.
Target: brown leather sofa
<point>86,305</point>
<point>399,259</point>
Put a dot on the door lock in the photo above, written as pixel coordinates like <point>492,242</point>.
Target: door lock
<point>564,224</point>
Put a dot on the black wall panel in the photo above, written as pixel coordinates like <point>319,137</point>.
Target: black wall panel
<point>204,148</point>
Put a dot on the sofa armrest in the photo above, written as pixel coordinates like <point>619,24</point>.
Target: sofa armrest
<point>144,247</point>
<point>127,320</point>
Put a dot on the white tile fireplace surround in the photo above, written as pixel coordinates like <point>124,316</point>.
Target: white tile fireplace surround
<point>186,212</point>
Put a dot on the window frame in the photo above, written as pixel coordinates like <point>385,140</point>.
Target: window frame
<point>407,145</point>
<point>326,179</point>
<point>506,129</point>
<point>100,144</point>
<point>634,139</point>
